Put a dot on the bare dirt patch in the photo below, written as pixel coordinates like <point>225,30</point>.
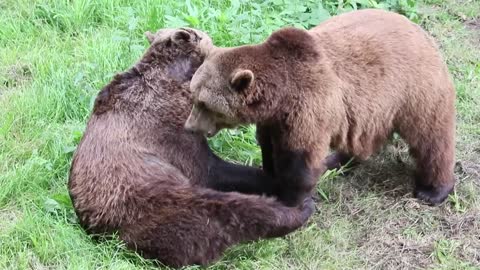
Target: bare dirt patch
<point>469,165</point>
<point>14,76</point>
<point>470,168</point>
<point>8,218</point>
<point>473,24</point>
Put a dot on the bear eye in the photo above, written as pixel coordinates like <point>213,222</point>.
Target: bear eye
<point>201,105</point>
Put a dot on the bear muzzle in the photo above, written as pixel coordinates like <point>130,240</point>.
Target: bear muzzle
<point>200,121</point>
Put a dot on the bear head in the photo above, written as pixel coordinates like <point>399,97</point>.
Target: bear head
<point>247,84</point>
<point>178,52</point>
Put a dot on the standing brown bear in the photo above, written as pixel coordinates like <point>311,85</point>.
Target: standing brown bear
<point>138,172</point>
<point>348,84</point>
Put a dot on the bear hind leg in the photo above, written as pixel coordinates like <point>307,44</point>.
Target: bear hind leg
<point>434,179</point>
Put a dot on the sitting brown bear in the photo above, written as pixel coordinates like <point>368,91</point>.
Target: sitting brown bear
<point>348,84</point>
<point>138,172</point>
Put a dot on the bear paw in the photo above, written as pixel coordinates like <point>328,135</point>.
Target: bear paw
<point>431,195</point>
<point>307,208</point>
<point>337,160</point>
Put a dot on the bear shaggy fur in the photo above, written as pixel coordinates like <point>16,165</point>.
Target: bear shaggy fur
<point>347,84</point>
<point>137,172</point>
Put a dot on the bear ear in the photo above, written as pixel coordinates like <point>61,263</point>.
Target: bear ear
<point>293,42</point>
<point>181,36</point>
<point>241,80</point>
<point>150,36</point>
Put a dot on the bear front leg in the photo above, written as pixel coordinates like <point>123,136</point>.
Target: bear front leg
<point>227,177</point>
<point>295,179</point>
<point>264,139</point>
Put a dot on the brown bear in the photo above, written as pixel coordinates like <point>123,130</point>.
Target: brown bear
<point>347,84</point>
<point>137,172</point>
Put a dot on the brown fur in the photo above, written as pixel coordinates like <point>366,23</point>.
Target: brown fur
<point>138,172</point>
<point>348,84</point>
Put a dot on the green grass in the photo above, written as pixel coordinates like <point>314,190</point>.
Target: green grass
<point>56,55</point>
